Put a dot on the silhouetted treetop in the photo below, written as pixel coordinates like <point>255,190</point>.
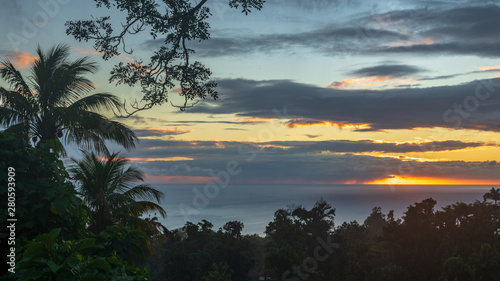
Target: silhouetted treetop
<point>175,21</point>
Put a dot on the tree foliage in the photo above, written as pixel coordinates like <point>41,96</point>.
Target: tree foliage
<point>107,187</point>
<point>53,103</point>
<point>293,239</point>
<point>44,197</point>
<point>102,257</point>
<point>174,23</point>
<point>52,241</point>
<point>196,252</point>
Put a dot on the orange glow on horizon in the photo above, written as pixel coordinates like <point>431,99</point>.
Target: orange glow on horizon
<point>161,159</point>
<point>293,124</point>
<point>400,180</point>
<point>396,180</point>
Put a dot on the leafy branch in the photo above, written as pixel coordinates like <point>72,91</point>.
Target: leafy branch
<point>169,66</point>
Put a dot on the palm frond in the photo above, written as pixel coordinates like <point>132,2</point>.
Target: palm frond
<point>71,84</point>
<point>43,73</point>
<point>24,104</point>
<point>97,102</point>
<point>54,100</point>
<point>145,192</point>
<point>102,184</point>
<point>139,208</point>
<point>92,129</point>
<point>10,117</point>
<point>9,72</point>
<point>20,129</point>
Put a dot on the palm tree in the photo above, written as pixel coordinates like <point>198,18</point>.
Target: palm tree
<point>53,104</point>
<point>106,186</point>
<point>493,194</point>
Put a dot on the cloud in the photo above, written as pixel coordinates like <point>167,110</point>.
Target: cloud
<point>490,68</point>
<point>313,4</point>
<point>302,123</point>
<point>375,75</point>
<point>170,148</point>
<point>324,39</point>
<point>306,161</point>
<point>171,131</point>
<point>370,81</point>
<point>470,28</point>
<point>472,105</point>
<point>391,70</point>
<point>312,136</point>
<point>19,59</point>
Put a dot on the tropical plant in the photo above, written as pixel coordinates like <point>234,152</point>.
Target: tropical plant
<point>53,104</point>
<point>48,257</point>
<point>106,187</point>
<point>493,194</point>
<point>41,186</point>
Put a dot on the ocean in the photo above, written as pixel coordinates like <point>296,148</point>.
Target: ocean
<point>254,205</point>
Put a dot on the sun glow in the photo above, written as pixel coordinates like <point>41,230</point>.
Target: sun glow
<point>402,180</point>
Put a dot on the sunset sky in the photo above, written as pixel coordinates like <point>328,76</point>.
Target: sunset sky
<point>311,91</point>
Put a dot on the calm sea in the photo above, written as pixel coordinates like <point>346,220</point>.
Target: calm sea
<point>254,205</point>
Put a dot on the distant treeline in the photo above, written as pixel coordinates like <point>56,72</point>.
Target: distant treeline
<point>458,242</point>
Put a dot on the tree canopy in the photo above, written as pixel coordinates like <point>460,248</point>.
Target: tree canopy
<point>176,22</point>
<point>54,104</point>
<point>107,186</point>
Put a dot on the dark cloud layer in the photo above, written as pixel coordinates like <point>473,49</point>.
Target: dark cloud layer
<point>395,70</point>
<point>306,162</point>
<point>172,148</point>
<point>323,39</point>
<point>471,30</point>
<point>473,105</point>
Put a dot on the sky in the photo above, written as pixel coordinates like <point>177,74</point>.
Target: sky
<point>311,91</point>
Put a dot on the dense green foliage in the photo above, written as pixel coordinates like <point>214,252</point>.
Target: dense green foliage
<point>51,238</point>
<point>44,198</point>
<point>103,257</point>
<point>196,251</point>
<point>460,242</point>
<point>294,236</point>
